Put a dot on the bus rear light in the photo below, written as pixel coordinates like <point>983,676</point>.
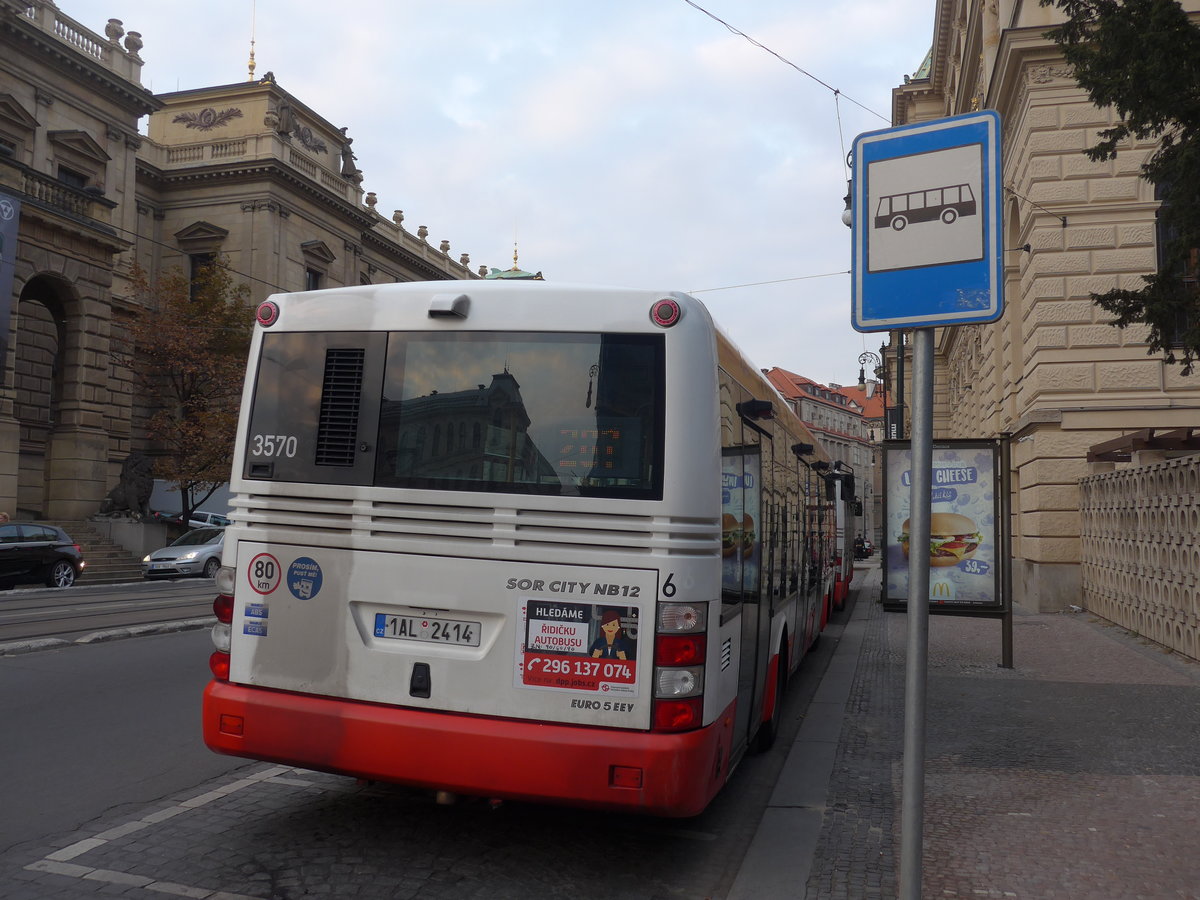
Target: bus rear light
<point>665,312</point>
<point>221,637</point>
<point>223,608</point>
<point>680,650</point>
<point>225,580</point>
<point>682,682</point>
<point>218,664</point>
<point>267,313</point>
<point>676,617</point>
<point>678,715</point>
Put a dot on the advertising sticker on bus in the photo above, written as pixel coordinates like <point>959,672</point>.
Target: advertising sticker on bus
<point>577,647</point>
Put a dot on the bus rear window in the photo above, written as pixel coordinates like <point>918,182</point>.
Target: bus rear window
<point>569,414</point>
<point>530,413</point>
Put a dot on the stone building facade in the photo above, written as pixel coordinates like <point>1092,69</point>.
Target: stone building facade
<point>244,171</point>
<point>1051,373</point>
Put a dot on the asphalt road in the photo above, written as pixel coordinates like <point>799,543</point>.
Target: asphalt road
<point>91,730</point>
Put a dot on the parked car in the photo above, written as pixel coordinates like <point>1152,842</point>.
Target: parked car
<point>35,553</point>
<point>201,518</point>
<point>196,553</point>
<point>863,548</point>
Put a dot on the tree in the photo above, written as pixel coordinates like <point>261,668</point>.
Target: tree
<point>188,356</point>
<point>1142,57</point>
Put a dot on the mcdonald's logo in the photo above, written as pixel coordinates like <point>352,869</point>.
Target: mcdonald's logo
<point>941,592</point>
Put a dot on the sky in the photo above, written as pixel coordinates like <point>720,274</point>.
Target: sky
<point>634,143</point>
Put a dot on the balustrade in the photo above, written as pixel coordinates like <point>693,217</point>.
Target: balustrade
<point>1140,550</point>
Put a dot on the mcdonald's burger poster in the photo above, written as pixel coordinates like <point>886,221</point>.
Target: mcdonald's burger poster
<point>962,549</point>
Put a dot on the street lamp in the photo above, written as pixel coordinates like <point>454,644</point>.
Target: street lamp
<point>876,362</point>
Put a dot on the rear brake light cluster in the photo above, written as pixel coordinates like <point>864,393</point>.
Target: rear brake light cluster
<point>680,647</point>
<point>218,662</point>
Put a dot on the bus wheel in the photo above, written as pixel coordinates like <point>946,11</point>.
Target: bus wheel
<point>949,215</point>
<point>898,223</point>
<point>764,740</point>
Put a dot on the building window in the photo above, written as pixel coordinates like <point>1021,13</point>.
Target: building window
<point>312,279</point>
<point>1188,266</point>
<point>197,262</point>
<point>72,178</point>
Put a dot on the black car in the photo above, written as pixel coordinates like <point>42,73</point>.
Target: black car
<point>33,553</point>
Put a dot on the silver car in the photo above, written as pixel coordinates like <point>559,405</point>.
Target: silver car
<point>196,553</point>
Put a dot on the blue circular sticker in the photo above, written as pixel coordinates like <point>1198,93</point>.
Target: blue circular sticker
<point>304,578</point>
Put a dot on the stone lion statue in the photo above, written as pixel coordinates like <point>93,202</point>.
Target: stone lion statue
<point>132,494</point>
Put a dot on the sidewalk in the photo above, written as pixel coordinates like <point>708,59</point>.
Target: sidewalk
<point>1076,774</point>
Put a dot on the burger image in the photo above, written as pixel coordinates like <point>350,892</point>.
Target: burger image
<point>952,538</point>
<point>731,534</point>
<point>747,535</point>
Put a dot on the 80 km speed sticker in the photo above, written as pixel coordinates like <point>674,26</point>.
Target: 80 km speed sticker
<point>263,573</point>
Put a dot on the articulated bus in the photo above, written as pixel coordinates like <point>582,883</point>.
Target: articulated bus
<point>841,483</point>
<point>514,540</point>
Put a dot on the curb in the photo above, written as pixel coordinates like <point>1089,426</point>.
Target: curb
<point>779,859</point>
<point>17,648</point>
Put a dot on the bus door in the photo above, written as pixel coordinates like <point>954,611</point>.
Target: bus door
<point>741,575</point>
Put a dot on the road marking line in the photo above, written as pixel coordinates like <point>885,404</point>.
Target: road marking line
<point>56,863</point>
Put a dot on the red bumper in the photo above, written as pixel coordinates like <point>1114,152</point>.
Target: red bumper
<point>663,774</point>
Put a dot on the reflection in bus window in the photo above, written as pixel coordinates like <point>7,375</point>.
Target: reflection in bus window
<point>551,413</point>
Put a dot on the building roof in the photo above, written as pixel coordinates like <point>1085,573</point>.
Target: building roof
<point>515,273</point>
<point>795,387</point>
<point>873,405</point>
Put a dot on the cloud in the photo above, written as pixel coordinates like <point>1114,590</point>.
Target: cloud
<point>620,142</point>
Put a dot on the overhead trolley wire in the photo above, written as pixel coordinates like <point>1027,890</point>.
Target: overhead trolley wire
<point>784,60</point>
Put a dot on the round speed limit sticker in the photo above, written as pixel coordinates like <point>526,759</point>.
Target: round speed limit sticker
<point>263,573</point>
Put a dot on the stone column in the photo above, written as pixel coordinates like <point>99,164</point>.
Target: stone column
<point>77,452</point>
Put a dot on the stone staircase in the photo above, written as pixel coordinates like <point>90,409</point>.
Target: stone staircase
<point>107,561</point>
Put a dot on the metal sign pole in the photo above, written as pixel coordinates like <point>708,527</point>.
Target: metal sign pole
<point>913,785</point>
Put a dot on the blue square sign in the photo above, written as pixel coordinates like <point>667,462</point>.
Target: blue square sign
<point>927,231</point>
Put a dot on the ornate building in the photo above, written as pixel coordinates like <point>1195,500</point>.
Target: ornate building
<point>246,171</point>
<point>1069,388</point>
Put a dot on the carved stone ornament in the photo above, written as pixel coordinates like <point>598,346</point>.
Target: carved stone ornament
<point>208,118</point>
<point>310,140</point>
<point>1046,74</point>
<point>133,42</point>
<point>114,30</point>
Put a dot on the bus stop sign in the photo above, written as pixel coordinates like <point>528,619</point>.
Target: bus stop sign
<point>927,226</point>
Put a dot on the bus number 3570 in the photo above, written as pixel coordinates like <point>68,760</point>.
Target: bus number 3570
<point>273,445</point>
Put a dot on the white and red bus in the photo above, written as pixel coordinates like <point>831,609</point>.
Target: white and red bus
<point>841,482</point>
<point>513,540</point>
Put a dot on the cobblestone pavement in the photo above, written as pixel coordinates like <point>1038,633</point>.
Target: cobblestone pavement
<point>1075,774</point>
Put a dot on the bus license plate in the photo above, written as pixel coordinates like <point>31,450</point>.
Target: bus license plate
<point>430,629</point>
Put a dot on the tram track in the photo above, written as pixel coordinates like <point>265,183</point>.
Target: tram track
<point>81,610</point>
